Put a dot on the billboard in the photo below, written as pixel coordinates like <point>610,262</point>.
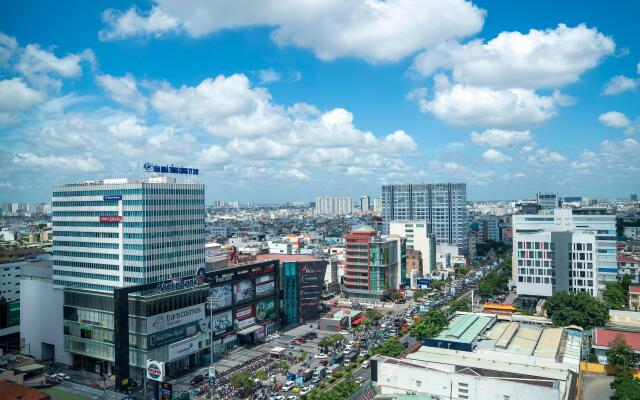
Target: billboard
<point>155,370</point>
<point>264,278</point>
<point>243,290</point>
<point>222,322</point>
<point>221,296</point>
<point>172,335</point>
<point>244,317</point>
<point>184,348</point>
<point>265,309</point>
<point>172,319</point>
<point>424,282</point>
<point>264,289</point>
<point>311,282</point>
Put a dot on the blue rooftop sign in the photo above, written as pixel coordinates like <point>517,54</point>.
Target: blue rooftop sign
<point>169,169</point>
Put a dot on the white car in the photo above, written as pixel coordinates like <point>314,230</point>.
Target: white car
<point>320,356</point>
<point>366,364</point>
<point>288,386</point>
<point>343,332</point>
<point>304,390</point>
<point>346,351</point>
<point>292,397</point>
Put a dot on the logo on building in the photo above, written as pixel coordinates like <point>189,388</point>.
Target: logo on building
<point>110,218</point>
<point>155,370</point>
<point>169,169</point>
<point>200,275</point>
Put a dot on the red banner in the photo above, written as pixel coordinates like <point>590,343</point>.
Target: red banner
<point>110,218</point>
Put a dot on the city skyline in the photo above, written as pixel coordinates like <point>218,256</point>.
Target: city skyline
<point>274,108</point>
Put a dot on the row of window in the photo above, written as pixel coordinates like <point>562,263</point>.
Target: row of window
<point>87,275</point>
<point>116,192</point>
<point>127,257</point>
<point>146,224</point>
<point>115,235</point>
<point>143,202</point>
<point>127,246</point>
<point>535,254</point>
<point>92,245</point>
<point>536,245</point>
<point>77,264</point>
<point>537,279</point>
<point>146,213</point>
<point>83,285</point>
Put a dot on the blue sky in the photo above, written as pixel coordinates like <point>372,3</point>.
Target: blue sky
<point>289,100</point>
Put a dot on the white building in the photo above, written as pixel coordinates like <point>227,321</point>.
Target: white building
<point>632,232</point>
<point>548,201</point>
<point>116,232</point>
<point>591,232</point>
<point>447,256</point>
<point>419,237</point>
<point>365,203</point>
<point>334,205</point>
<point>10,279</point>
<point>443,206</point>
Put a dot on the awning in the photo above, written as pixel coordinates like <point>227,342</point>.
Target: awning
<point>277,351</point>
<point>357,320</point>
<point>250,330</point>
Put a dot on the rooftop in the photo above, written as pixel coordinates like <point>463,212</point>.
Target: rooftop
<point>287,257</point>
<point>603,337</point>
<point>465,328</point>
<point>13,391</point>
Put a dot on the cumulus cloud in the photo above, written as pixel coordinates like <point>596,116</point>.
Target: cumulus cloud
<point>86,163</point>
<point>123,90</point>
<point>614,119</point>
<point>8,48</point>
<point>377,31</point>
<point>500,138</point>
<point>15,95</point>
<point>44,69</point>
<point>464,105</point>
<point>545,156</point>
<point>267,76</point>
<point>538,59</point>
<point>495,157</point>
<point>619,84</point>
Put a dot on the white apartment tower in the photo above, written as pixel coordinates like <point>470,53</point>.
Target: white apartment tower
<point>577,247</point>
<point>442,205</point>
<point>334,205</point>
<point>419,237</point>
<point>365,203</point>
<point>117,232</point>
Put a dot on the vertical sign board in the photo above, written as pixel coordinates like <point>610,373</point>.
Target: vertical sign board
<point>311,283</point>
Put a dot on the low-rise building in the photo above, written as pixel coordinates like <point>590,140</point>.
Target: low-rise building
<point>634,298</point>
<point>603,337</point>
<point>629,265</point>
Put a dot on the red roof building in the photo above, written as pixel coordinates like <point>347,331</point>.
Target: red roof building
<point>602,338</point>
<point>13,391</point>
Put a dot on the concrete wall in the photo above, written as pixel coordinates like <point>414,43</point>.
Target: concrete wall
<point>444,382</point>
<point>41,307</point>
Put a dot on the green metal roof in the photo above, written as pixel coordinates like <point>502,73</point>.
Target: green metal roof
<point>464,328</point>
<point>30,367</point>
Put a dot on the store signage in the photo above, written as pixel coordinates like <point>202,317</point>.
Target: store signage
<point>184,348</point>
<point>244,317</point>
<point>265,288</point>
<point>243,290</point>
<point>167,391</point>
<point>265,309</point>
<point>263,270</point>
<point>224,278</point>
<point>112,197</point>
<point>184,283</point>
<point>169,169</point>
<point>155,370</point>
<point>172,335</point>
<point>171,319</point>
<point>110,218</point>
<point>222,322</point>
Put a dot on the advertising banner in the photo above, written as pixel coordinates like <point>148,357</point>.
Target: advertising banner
<point>172,335</point>
<point>221,296</point>
<point>311,281</point>
<point>110,218</point>
<point>167,391</point>
<point>184,348</point>
<point>265,309</point>
<point>244,317</point>
<point>222,322</point>
<point>264,289</point>
<point>172,319</point>
<point>243,290</point>
<point>155,370</point>
<point>264,278</point>
<point>424,282</point>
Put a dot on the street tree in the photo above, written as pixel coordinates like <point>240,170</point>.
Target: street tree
<point>582,309</point>
<point>621,356</point>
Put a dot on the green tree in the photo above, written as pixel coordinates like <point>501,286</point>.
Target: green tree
<point>374,315</point>
<point>242,381</point>
<point>621,356</point>
<point>390,347</point>
<point>429,325</point>
<point>282,365</point>
<point>261,375</point>
<point>462,304</point>
<point>614,295</point>
<point>579,308</point>
<point>625,282</point>
<point>437,284</point>
<point>626,387</point>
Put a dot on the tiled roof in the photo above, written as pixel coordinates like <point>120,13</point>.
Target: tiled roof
<point>634,289</point>
<point>13,391</point>
<point>603,337</point>
<point>629,259</point>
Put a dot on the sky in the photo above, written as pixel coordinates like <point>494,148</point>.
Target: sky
<point>288,100</point>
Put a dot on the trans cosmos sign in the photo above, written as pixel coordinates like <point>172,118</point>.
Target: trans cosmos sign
<point>168,320</point>
<point>169,169</point>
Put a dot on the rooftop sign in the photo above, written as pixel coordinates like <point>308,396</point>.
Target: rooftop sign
<point>169,169</point>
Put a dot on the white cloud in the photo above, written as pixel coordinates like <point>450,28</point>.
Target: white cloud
<point>260,149</point>
<point>500,138</point>
<point>417,93</point>
<point>130,23</point>
<point>619,84</point>
<point>626,146</point>
<point>614,119</point>
<point>267,76</point>
<point>464,105</point>
<point>85,163</point>
<point>544,156</point>
<point>43,68</point>
<point>123,90</point>
<point>378,31</point>
<point>8,48</point>
<point>398,142</point>
<point>495,157</point>
<point>538,59</point>
<point>16,96</point>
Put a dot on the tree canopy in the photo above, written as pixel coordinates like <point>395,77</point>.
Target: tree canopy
<point>242,381</point>
<point>626,387</point>
<point>621,356</point>
<point>582,309</point>
<point>390,347</point>
<point>461,304</point>
<point>429,325</point>
<point>614,296</point>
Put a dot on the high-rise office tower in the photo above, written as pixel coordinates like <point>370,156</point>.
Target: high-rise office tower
<point>548,201</point>
<point>116,232</point>
<point>365,203</point>
<point>442,205</point>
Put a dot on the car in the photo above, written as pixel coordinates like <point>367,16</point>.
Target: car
<point>300,340</point>
<point>366,364</point>
<point>295,389</point>
<point>279,397</point>
<point>292,397</point>
<point>288,385</point>
<point>346,351</point>
<point>320,356</point>
<point>360,380</point>
<point>324,362</point>
<point>305,390</point>
<point>196,380</point>
<point>315,380</point>
<point>344,332</point>
<point>350,343</point>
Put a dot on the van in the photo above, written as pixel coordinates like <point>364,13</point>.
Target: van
<point>288,386</point>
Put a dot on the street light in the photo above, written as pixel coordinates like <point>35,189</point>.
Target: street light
<point>211,300</point>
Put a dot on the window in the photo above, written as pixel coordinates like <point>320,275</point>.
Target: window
<point>418,383</point>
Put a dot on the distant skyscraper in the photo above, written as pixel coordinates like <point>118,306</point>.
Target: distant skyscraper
<point>118,232</point>
<point>442,205</point>
<point>334,205</point>
<point>377,204</point>
<point>548,201</point>
<point>365,203</point>
<point>634,197</point>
